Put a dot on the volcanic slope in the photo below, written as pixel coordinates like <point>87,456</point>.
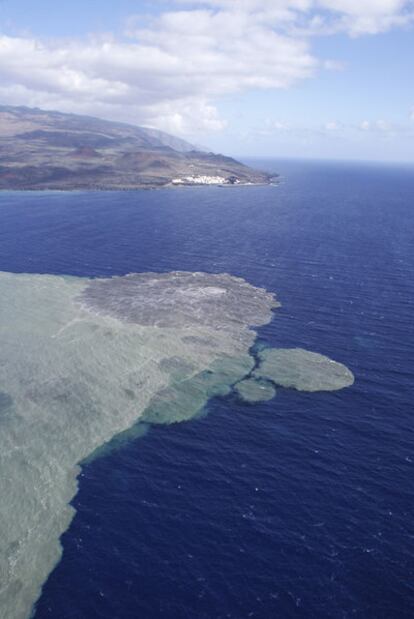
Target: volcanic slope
<point>51,150</point>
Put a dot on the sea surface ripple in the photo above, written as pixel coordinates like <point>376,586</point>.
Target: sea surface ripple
<point>298,507</point>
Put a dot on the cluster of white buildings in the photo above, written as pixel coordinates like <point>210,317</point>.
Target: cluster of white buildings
<point>200,180</point>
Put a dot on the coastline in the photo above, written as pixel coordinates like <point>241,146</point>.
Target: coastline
<point>169,185</point>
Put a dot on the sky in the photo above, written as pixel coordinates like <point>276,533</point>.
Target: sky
<point>271,78</point>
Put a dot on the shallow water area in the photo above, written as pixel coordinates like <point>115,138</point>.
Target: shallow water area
<point>83,360</point>
<point>303,370</point>
<point>253,390</point>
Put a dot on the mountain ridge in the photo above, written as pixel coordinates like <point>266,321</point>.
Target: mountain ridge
<point>41,149</point>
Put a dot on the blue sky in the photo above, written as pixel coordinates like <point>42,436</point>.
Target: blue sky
<point>296,78</point>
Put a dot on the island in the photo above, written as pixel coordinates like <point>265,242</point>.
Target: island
<point>52,150</point>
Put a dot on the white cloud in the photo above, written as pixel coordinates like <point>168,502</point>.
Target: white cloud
<point>377,126</point>
<point>168,74</point>
<point>365,125</point>
<point>355,17</point>
<point>172,72</point>
<point>380,128</point>
<point>334,65</point>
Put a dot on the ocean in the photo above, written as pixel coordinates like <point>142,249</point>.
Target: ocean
<point>297,507</point>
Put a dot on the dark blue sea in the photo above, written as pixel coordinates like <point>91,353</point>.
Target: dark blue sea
<point>301,507</point>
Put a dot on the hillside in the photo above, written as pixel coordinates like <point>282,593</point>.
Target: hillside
<point>51,150</point>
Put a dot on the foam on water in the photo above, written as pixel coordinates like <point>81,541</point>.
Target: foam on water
<point>82,361</point>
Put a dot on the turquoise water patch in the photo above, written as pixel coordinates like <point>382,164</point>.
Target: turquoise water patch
<point>302,370</point>
<point>252,390</point>
<point>83,361</point>
<point>184,399</point>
